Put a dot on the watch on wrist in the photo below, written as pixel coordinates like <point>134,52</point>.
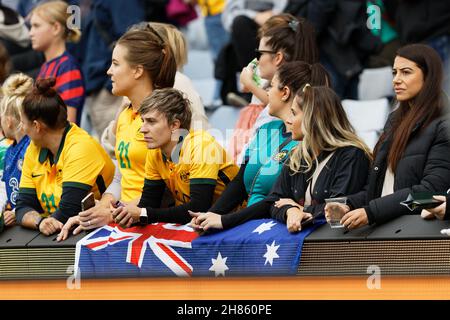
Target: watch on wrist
<point>143,218</point>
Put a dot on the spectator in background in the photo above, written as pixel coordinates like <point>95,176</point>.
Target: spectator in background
<point>284,38</point>
<point>49,33</point>
<point>217,36</point>
<point>106,22</point>
<point>412,154</point>
<point>344,41</point>
<point>386,33</point>
<point>52,184</point>
<point>13,31</point>
<point>14,35</point>
<point>242,19</point>
<point>15,88</point>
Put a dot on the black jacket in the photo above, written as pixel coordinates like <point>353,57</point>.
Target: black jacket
<point>424,167</point>
<point>345,173</point>
<point>342,33</point>
<point>447,207</point>
<point>420,20</point>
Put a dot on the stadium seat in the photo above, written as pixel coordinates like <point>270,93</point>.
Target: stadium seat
<point>222,122</point>
<point>367,117</point>
<point>375,84</point>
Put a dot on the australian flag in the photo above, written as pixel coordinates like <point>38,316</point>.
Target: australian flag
<point>257,247</point>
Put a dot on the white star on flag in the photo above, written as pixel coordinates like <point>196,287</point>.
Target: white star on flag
<point>264,227</point>
<point>219,265</point>
<point>271,253</point>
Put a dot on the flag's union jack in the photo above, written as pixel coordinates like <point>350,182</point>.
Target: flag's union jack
<point>162,238</point>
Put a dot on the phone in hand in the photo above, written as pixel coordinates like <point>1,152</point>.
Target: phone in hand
<point>307,222</point>
<point>88,202</point>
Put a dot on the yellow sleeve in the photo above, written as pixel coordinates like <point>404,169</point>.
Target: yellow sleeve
<point>82,165</point>
<point>152,164</point>
<point>205,160</point>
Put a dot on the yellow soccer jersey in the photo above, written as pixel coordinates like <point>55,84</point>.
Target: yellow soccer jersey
<point>131,151</point>
<point>201,160</point>
<point>80,162</point>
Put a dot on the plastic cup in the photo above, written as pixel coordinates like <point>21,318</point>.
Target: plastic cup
<point>336,212</point>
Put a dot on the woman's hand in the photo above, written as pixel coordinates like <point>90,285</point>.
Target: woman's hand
<point>438,212</point>
<point>49,226</point>
<point>285,201</point>
<point>127,215</point>
<point>95,217</point>
<point>294,218</point>
<point>9,218</point>
<point>246,79</point>
<point>355,219</point>
<point>71,223</point>
<point>204,221</point>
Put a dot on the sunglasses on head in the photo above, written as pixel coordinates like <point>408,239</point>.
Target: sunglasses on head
<point>259,53</point>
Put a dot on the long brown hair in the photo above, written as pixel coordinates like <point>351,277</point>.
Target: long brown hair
<point>426,106</point>
<point>296,38</point>
<point>147,48</point>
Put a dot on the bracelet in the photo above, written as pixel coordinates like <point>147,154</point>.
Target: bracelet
<point>39,222</point>
<point>292,206</point>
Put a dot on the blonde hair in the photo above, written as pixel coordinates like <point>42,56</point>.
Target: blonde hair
<point>325,126</point>
<point>15,88</point>
<point>175,39</point>
<point>56,12</point>
<point>170,35</point>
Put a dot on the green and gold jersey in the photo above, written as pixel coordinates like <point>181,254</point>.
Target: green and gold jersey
<point>200,160</point>
<point>80,162</point>
<point>131,151</point>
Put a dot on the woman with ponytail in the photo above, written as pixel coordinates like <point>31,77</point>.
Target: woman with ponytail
<point>141,63</point>
<point>331,161</point>
<point>49,33</point>
<point>14,90</point>
<point>266,153</point>
<point>412,155</point>
<point>62,164</point>
<point>283,38</point>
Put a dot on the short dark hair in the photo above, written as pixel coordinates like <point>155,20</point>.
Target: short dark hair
<point>171,103</point>
<point>45,104</point>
